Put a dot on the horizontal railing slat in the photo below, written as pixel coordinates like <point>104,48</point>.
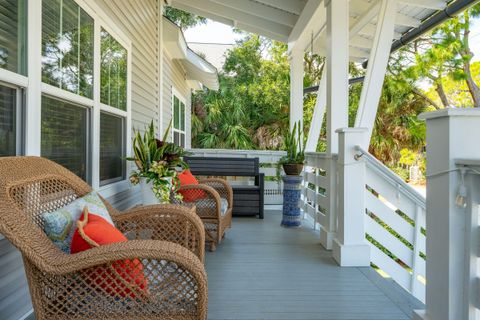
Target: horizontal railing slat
<point>400,275</point>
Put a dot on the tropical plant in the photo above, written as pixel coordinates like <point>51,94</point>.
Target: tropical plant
<point>158,162</point>
<point>295,148</point>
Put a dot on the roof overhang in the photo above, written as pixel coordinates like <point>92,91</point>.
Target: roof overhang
<point>302,23</point>
<point>197,69</point>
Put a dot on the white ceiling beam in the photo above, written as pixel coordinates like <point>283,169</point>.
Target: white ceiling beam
<point>265,33</point>
<point>262,11</point>
<point>311,20</point>
<point>369,30</point>
<point>426,4</point>
<point>361,42</point>
<point>364,19</point>
<point>213,10</point>
<point>357,8</point>
<point>292,6</point>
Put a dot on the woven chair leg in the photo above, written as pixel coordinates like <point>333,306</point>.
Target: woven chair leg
<point>213,246</point>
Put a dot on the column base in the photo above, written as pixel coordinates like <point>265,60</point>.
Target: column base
<point>326,238</point>
<point>420,315</point>
<point>351,255</point>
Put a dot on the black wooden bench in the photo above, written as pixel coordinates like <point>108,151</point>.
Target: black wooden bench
<point>247,199</point>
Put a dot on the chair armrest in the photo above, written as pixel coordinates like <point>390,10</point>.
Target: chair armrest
<point>223,188</point>
<point>208,204</point>
<point>146,274</point>
<point>174,223</point>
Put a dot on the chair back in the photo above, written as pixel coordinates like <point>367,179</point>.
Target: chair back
<point>30,187</point>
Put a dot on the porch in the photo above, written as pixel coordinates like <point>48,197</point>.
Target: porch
<point>264,271</point>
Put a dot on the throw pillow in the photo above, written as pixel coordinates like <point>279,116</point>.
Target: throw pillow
<point>187,178</point>
<point>123,278</point>
<point>60,225</point>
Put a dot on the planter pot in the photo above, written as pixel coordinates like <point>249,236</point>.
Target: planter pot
<point>292,190</point>
<point>293,169</point>
<point>148,197</point>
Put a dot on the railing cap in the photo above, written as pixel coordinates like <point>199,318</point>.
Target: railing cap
<point>450,112</point>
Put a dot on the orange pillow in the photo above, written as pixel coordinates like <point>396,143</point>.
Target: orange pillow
<point>187,178</point>
<point>126,278</point>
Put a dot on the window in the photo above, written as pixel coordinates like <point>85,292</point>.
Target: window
<point>64,134</point>
<point>9,116</point>
<point>67,47</point>
<point>178,121</point>
<point>113,98</point>
<point>13,35</point>
<point>113,72</point>
<point>112,148</point>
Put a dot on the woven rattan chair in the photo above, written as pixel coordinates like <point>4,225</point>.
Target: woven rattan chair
<point>214,207</point>
<point>86,285</point>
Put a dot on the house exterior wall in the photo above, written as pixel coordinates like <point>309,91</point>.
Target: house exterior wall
<point>174,77</point>
<point>140,23</point>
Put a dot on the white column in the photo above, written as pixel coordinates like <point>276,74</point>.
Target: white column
<point>318,113</point>
<point>377,67</point>
<point>451,134</point>
<point>34,94</point>
<point>296,87</point>
<point>350,248</point>
<point>337,70</point>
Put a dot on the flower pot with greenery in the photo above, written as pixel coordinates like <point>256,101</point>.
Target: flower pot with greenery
<point>158,164</point>
<point>293,162</point>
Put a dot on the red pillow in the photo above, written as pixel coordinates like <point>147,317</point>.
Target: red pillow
<point>187,178</point>
<point>126,278</point>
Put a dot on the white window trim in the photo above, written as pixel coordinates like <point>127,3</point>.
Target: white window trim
<point>181,98</point>
<point>35,88</point>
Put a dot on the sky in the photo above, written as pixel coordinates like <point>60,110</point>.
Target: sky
<point>215,32</point>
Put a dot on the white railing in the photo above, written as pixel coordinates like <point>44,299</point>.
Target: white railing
<point>268,163</point>
<point>395,226</point>
<point>319,190</point>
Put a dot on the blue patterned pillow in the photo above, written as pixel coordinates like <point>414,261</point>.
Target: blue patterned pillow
<point>60,225</point>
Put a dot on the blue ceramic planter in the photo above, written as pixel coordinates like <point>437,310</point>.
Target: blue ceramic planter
<point>292,190</point>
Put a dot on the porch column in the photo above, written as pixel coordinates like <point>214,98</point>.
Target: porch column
<point>337,70</point>
<point>296,87</point>
<point>452,231</point>
<point>350,248</point>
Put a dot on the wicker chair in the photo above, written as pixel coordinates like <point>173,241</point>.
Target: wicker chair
<point>85,285</point>
<point>213,206</point>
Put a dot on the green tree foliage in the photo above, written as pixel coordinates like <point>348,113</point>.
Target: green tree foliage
<point>183,19</point>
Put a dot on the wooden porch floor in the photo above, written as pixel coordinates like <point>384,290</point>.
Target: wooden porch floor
<point>263,271</point>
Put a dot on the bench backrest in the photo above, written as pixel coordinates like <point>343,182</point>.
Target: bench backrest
<point>212,166</point>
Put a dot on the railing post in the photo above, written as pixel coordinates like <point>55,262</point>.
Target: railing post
<point>451,134</point>
<point>350,247</point>
<point>328,231</point>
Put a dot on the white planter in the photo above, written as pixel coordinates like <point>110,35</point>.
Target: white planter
<point>148,197</point>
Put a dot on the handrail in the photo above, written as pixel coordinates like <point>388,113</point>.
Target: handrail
<point>243,152</point>
<point>393,178</point>
<point>321,155</point>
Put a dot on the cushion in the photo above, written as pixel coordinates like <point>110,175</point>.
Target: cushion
<point>60,225</point>
<point>126,278</point>
<point>209,203</point>
<point>187,178</point>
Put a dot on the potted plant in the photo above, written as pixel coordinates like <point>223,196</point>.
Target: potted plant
<point>293,162</point>
<point>158,163</point>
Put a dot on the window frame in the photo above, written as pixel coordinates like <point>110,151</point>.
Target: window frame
<point>181,98</point>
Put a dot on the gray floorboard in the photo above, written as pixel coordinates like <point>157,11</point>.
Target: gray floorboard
<point>264,271</point>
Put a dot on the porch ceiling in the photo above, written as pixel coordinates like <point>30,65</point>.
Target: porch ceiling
<point>298,21</point>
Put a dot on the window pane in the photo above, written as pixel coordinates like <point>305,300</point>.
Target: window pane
<point>8,102</point>
<point>182,116</point>
<point>176,113</point>
<point>176,138</point>
<point>64,135</point>
<point>13,35</point>
<point>112,156</point>
<point>67,47</point>
<point>182,140</point>
<point>113,77</point>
